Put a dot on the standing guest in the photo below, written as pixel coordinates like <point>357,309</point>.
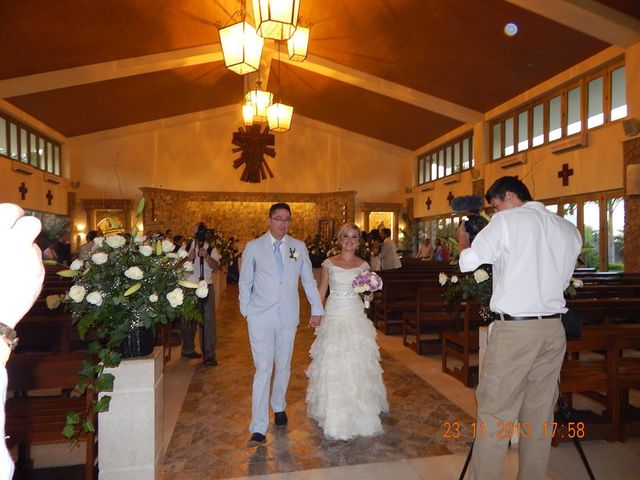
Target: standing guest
<point>346,394</point>
<point>533,253</point>
<point>389,259</point>
<point>20,284</point>
<point>204,259</point>
<point>268,285</point>
<point>88,248</point>
<point>441,253</point>
<point>425,252</point>
<point>375,244</point>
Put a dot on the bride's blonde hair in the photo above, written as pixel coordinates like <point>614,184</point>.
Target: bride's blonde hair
<point>349,226</point>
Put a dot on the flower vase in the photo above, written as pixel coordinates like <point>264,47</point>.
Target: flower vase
<point>139,342</point>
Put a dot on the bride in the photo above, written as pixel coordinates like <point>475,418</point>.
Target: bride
<point>346,393</point>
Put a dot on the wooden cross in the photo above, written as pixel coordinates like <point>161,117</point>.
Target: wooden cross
<point>428,203</point>
<point>49,196</point>
<point>23,190</point>
<point>450,197</point>
<point>565,173</point>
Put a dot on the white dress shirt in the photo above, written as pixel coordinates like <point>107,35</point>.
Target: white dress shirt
<point>195,275</point>
<point>533,252</point>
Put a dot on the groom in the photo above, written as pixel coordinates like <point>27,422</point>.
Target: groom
<point>268,284</point>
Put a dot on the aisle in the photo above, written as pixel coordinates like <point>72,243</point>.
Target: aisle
<point>212,429</point>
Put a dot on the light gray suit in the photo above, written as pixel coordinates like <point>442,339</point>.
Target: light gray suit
<point>271,305</point>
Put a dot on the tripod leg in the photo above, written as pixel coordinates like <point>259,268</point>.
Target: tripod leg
<point>466,464</point>
<point>576,442</point>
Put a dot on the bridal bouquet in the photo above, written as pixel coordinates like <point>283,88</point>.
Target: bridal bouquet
<point>365,284</point>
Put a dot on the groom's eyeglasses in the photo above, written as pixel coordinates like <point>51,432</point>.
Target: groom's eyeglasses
<point>281,219</point>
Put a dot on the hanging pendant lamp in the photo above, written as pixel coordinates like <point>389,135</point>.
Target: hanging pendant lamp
<point>241,47</point>
<point>276,19</point>
<point>298,44</point>
<point>260,100</point>
<point>279,116</point>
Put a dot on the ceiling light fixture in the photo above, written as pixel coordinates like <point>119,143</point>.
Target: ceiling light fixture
<point>276,19</point>
<point>279,115</point>
<point>260,100</point>
<point>241,46</point>
<point>298,44</point>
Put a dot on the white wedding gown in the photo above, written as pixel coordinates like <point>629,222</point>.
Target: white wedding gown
<point>345,393</point>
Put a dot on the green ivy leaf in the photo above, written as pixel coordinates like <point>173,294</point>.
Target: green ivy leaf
<point>102,405</point>
<point>105,383</point>
<point>68,431</point>
<point>88,369</point>
<point>87,426</point>
<point>73,418</point>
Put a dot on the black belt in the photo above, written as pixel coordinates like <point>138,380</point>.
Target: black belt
<point>537,317</point>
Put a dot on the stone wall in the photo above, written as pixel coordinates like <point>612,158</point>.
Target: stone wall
<point>631,153</point>
<point>242,215</point>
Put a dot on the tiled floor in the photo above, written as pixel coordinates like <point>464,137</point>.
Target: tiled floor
<point>212,425</point>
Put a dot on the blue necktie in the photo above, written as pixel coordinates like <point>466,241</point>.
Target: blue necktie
<point>278,254</point>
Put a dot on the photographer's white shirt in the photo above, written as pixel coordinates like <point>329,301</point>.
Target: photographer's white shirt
<point>533,252</point>
<point>195,275</point>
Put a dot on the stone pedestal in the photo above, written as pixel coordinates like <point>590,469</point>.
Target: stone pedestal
<point>130,434</point>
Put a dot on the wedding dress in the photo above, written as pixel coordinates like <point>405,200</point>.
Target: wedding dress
<point>345,393</point>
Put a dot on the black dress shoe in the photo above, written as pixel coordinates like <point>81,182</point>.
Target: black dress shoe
<point>257,440</point>
<point>191,355</point>
<point>210,362</point>
<point>281,419</point>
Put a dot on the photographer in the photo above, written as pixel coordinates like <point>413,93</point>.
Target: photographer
<point>204,259</point>
<point>533,253</point>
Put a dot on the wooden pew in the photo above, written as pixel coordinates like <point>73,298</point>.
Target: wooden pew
<point>461,343</point>
<point>430,317</point>
<point>628,358</point>
<point>40,419</point>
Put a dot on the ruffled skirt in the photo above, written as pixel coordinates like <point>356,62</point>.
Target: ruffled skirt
<point>346,394</point>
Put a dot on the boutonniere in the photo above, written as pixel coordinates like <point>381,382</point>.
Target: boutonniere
<point>293,254</point>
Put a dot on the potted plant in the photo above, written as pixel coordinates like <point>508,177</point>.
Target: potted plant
<point>120,294</point>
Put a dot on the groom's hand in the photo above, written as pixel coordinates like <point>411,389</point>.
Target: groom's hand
<point>315,321</point>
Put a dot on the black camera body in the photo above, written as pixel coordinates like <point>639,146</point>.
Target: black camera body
<point>201,233</point>
<point>474,222</point>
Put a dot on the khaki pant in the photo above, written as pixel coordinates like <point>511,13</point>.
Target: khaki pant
<point>519,382</point>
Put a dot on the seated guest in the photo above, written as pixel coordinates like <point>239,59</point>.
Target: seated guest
<point>425,252</point>
<point>88,248</point>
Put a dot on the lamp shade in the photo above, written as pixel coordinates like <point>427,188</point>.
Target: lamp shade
<point>276,19</point>
<point>298,44</point>
<point>247,113</point>
<point>241,47</point>
<point>280,117</point>
<point>260,100</point>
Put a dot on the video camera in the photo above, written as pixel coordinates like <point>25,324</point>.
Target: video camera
<point>201,233</point>
<point>474,222</point>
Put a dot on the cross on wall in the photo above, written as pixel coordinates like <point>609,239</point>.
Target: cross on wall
<point>565,173</point>
<point>428,203</point>
<point>23,191</point>
<point>450,197</point>
<point>49,196</point>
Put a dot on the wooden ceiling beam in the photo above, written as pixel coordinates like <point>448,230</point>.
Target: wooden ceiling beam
<point>381,86</point>
<point>98,72</point>
<point>589,17</point>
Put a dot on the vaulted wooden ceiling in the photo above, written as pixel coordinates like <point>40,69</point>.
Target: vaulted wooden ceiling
<point>402,71</point>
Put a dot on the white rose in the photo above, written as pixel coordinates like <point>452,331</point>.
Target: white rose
<point>454,279</point>
<point>139,239</point>
<point>167,246</point>
<point>188,266</point>
<point>182,253</point>
<point>116,241</point>
<point>99,258</point>
<point>153,298</point>
<point>98,241</point>
<point>577,283</point>
<point>203,289</point>
<point>95,298</point>
<point>76,293</point>
<point>172,255</point>
<point>76,264</point>
<point>175,297</point>
<point>442,278</point>
<point>145,250</point>
<point>480,275</point>
<point>134,273</point>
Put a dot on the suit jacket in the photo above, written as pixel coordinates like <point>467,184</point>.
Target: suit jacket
<point>388,256</point>
<point>264,294</point>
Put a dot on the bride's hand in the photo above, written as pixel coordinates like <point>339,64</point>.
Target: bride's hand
<point>314,321</point>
